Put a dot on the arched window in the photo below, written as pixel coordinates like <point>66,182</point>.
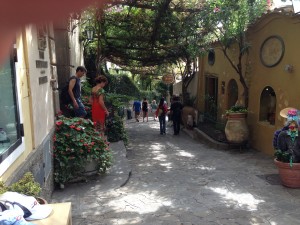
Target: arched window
<point>233,93</point>
<point>267,105</point>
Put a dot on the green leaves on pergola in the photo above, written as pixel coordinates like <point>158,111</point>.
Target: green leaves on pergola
<point>136,34</point>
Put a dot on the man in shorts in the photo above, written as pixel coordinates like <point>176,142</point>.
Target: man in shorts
<point>75,92</point>
<point>137,109</point>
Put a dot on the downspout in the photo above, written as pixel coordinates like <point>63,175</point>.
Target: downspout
<point>200,96</point>
<point>26,62</point>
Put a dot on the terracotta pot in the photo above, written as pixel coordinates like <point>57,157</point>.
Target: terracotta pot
<point>289,176</point>
<point>41,200</point>
<point>236,129</point>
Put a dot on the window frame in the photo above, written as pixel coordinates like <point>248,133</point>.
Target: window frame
<point>8,152</point>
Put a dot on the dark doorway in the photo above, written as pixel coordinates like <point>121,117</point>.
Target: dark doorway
<point>211,98</point>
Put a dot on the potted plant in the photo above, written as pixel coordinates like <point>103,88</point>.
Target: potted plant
<point>289,172</point>
<point>236,129</point>
<point>77,144</point>
<point>287,153</point>
<point>26,185</point>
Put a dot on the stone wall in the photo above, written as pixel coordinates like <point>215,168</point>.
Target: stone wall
<point>39,163</point>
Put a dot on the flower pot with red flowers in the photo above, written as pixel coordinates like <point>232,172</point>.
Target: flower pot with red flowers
<point>76,144</point>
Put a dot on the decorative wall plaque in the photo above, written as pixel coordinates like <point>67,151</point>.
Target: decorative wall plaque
<point>272,51</point>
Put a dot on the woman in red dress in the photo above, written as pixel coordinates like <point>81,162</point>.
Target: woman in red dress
<point>99,110</point>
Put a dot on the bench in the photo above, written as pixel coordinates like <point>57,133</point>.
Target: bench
<point>61,215</point>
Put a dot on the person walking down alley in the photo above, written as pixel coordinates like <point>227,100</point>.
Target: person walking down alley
<point>75,92</point>
<point>175,111</point>
<point>153,108</point>
<point>137,109</point>
<point>99,110</point>
<point>145,109</point>
<point>161,113</point>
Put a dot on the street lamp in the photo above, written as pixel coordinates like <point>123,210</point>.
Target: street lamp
<point>90,32</point>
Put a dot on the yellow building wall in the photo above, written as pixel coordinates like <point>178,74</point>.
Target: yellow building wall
<point>25,100</point>
<point>222,70</point>
<point>285,84</point>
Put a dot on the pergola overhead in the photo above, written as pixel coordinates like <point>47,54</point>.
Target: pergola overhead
<point>137,34</point>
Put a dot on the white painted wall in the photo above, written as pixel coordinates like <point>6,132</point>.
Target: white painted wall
<point>41,94</point>
<point>192,88</point>
<point>76,48</point>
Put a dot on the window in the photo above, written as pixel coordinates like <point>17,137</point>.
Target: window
<point>267,105</point>
<point>233,93</point>
<point>211,57</point>
<point>10,132</point>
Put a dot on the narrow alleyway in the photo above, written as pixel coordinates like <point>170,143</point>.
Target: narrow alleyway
<point>175,180</point>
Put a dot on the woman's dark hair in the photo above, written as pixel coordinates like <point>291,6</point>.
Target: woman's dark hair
<point>162,101</point>
<point>101,79</point>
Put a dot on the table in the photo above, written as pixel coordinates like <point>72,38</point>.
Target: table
<point>61,215</point>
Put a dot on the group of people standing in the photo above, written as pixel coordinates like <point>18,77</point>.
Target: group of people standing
<point>99,110</point>
<point>160,111</point>
<point>144,107</point>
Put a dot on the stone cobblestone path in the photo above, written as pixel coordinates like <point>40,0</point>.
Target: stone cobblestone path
<point>175,180</point>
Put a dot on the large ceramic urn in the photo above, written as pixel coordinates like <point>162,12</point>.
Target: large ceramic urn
<point>236,129</point>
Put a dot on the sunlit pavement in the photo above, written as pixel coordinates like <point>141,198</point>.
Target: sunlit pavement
<point>174,180</point>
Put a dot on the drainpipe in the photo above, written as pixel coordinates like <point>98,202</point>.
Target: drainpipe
<point>200,87</point>
<point>25,50</point>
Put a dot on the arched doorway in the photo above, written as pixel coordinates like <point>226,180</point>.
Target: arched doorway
<point>233,93</point>
<point>211,98</point>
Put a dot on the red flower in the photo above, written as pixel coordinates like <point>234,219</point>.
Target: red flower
<point>78,128</point>
<point>58,123</point>
<point>72,126</point>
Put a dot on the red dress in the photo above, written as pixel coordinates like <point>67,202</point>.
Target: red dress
<point>98,113</point>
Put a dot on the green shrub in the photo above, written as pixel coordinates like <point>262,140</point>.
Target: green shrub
<point>115,129</point>
<point>237,109</point>
<point>26,185</point>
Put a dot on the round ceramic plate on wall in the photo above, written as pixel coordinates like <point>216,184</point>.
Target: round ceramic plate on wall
<point>272,51</point>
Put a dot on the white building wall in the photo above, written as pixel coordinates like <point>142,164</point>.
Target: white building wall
<point>76,48</point>
<point>192,88</point>
<point>41,91</point>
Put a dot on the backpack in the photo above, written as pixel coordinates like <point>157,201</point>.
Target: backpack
<point>65,97</point>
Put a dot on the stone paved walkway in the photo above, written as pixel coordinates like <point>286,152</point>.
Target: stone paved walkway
<point>174,180</point>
